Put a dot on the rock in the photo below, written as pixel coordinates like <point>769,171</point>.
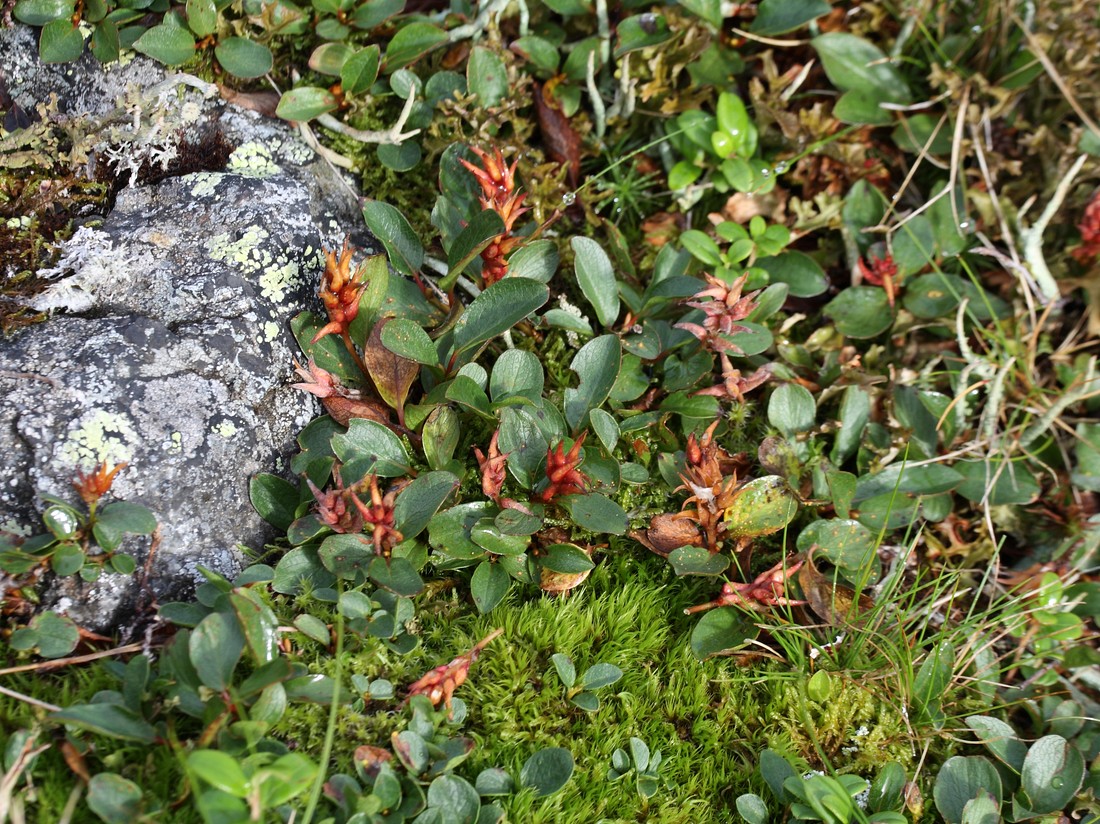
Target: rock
<point>169,346</point>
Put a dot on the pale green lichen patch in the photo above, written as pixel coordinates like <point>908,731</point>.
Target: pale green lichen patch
<point>277,273</point>
<point>174,444</point>
<point>226,428</point>
<point>100,436</point>
<point>252,160</point>
<point>206,183</point>
<point>271,331</point>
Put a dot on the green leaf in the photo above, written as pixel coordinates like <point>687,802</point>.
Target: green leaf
<point>914,246</point>
<point>220,770</point>
<point>441,434</point>
<point>597,364</point>
<point>329,58</point>
<point>488,586</point>
<point>860,311</point>
<point>607,430</point>
<point>997,482</point>
<point>112,720</point>
<point>697,560</point>
<point>43,12</point>
<point>596,513</point>
<point>861,107</point>
<point>396,575</point>
<point>105,43</point>
<point>369,447</point>
<point>301,569</point>
<point>498,309</point>
<point>360,70</point>
<point>258,625</point>
<point>244,58</point>
<point>752,808</point>
<point>419,501</point>
<point>600,675</point>
<point>566,558</point>
<point>449,530</point>
<point>853,63</point>
<point>800,272</point>
<point>215,647</point>
<point>455,798</point>
<point>412,42</point>
<point>702,247</point>
<point>168,43</point>
<point>708,10</point>
<point>1052,773</point>
<point>641,31</point>
<point>719,631</point>
<point>982,809</point>
<point>537,260</point>
<point>761,507</point>
<point>887,789</point>
<point>1000,739</point>
<point>791,409</point>
<point>68,558</point>
<point>516,373</point>
<point>305,103</point>
<point>486,76</point>
<point>274,499</point>
<point>929,479</point>
<point>596,278</point>
<point>846,543</point>
<point>403,247</point>
<point>346,556</point>
<point>52,634</point>
<point>202,16</point>
<point>567,672</point>
<point>781,16</point>
<point>61,42</point>
<point>408,339</point>
<point>465,391</point>
<point>960,779</point>
<point>539,52</point>
<point>114,799</point>
<point>399,156</point>
<point>855,411</point>
<point>126,517</point>
<point>547,771</point>
<point>470,243</point>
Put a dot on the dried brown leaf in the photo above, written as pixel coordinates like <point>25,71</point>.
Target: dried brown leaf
<point>392,374</point>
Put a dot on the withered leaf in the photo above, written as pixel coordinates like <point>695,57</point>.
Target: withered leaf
<point>371,758</point>
<point>834,603</point>
<point>392,374</point>
<point>666,533</point>
<point>563,144</point>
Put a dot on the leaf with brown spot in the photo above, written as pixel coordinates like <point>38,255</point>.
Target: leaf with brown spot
<point>371,759</point>
<point>392,374</point>
<point>834,603</point>
<point>563,144</point>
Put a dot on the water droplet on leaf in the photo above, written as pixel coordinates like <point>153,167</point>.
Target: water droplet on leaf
<point>781,167</point>
<point>765,172</point>
<point>569,198</point>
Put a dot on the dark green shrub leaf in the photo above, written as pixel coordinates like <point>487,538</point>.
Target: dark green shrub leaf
<point>114,799</point>
<point>488,586</point>
<point>112,720</point>
<point>301,569</point>
<point>914,246</point>
<point>781,16</point>
<point>61,42</point>
<point>887,789</point>
<point>202,17</point>
<point>274,499</point>
<point>962,778</point>
<point>399,156</point>
<point>537,260</point>
<point>596,513</point>
<point>486,76</point>
<point>801,273</point>
<point>597,365</point>
<point>412,42</point>
<point>403,247</point>
<point>775,770</point>
<point>853,63</point>
<point>697,560</point>
<point>305,103</point>
<point>587,701</point>
<point>567,558</point>
<point>601,675</point>
<point>596,278</point>
<point>547,771</point>
<point>1000,739</point>
<point>449,531</point>
<point>918,480</point>
<point>567,672</point>
<point>471,241</point>
<point>494,781</point>
<point>169,43</point>
<point>369,447</point>
<point>860,311</point>
<point>719,631</point>
<point>1052,773</point>
<point>419,501</point>
<point>42,12</point>
<point>396,575</point>
<point>329,58</point>
<point>641,31</point>
<point>346,556</point>
<point>845,543</point>
<point>497,309</point>
<point>982,809</point>
<point>516,373</point>
<point>791,409</point>
<point>215,646</point>
<point>51,634</point>
<point>219,770</point>
<point>862,107</point>
<point>258,625</point>
<point>244,58</point>
<point>539,52</point>
<point>752,808</point>
<point>997,482</point>
<point>360,70</point>
<point>455,798</point>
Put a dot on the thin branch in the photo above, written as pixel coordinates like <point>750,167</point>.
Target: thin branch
<point>76,659</point>
<point>390,136</point>
<point>1033,237</point>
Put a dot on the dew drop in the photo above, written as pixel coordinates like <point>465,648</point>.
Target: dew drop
<point>976,29</point>
<point>765,172</point>
<point>734,132</point>
<point>1057,782</point>
<point>569,198</point>
<point>781,167</point>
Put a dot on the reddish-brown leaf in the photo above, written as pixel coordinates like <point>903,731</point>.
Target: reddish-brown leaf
<point>563,144</point>
<point>392,374</point>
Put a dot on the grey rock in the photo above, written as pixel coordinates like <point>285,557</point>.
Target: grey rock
<point>170,346</point>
